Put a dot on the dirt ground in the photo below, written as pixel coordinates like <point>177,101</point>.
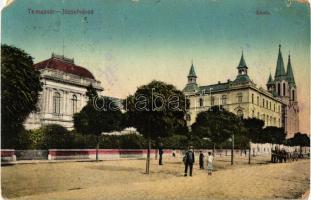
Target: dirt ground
<point>125,179</point>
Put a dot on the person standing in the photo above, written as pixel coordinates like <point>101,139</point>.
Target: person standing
<point>189,161</point>
<point>210,160</point>
<point>201,160</point>
<point>160,154</point>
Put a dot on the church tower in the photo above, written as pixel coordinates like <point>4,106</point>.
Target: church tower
<point>292,107</point>
<point>284,87</point>
<point>192,85</point>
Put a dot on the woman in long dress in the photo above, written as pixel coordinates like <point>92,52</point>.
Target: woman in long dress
<point>210,160</point>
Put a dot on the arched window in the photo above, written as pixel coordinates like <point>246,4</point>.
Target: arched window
<point>224,99</point>
<point>56,103</point>
<point>258,100</point>
<point>240,113</point>
<point>279,89</point>
<point>284,89</point>
<point>74,104</point>
<point>252,98</point>
<point>293,95</point>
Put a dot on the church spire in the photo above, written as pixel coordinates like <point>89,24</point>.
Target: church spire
<point>242,63</point>
<point>280,70</point>
<point>192,71</point>
<point>289,73</point>
<point>270,80</point>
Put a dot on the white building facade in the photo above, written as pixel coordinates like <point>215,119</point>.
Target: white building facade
<point>63,94</point>
<point>276,106</point>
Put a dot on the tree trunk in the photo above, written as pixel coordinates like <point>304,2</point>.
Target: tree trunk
<point>97,147</point>
<point>249,153</point>
<point>232,149</point>
<point>148,157</point>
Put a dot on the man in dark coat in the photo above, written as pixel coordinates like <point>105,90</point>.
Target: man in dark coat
<point>201,160</point>
<point>189,161</point>
<point>160,154</point>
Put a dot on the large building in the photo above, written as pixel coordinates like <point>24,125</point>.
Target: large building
<point>276,106</point>
<point>63,94</point>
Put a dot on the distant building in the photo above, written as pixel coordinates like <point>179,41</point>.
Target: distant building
<point>64,88</point>
<point>276,106</point>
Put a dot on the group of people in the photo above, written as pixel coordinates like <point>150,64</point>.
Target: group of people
<point>189,160</point>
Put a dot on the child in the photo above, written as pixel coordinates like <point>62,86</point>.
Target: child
<point>210,160</point>
<point>201,160</point>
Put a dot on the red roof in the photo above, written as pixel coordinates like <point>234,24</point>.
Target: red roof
<point>64,64</point>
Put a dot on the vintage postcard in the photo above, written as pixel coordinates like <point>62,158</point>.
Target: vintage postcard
<point>155,99</point>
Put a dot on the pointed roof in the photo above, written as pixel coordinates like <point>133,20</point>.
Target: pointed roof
<point>242,63</point>
<point>270,80</point>
<point>192,72</point>
<point>280,70</point>
<point>289,73</point>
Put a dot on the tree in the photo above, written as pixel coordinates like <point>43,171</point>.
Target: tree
<point>20,87</point>
<point>55,137</point>
<point>299,139</point>
<point>156,110</point>
<point>254,129</point>
<point>274,135</point>
<point>216,124</point>
<point>101,114</point>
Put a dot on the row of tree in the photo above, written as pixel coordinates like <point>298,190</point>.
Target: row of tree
<point>157,110</point>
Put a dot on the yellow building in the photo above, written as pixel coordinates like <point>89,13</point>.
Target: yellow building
<point>276,106</point>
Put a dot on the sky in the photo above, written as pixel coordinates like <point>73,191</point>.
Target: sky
<point>128,43</point>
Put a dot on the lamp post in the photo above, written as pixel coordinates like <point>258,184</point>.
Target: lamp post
<point>232,148</point>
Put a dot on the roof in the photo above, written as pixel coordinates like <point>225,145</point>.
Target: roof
<point>64,64</point>
<point>241,79</point>
<point>215,87</point>
<point>242,63</point>
<point>192,72</point>
<point>191,87</point>
<point>270,80</point>
<point>290,74</point>
<point>280,70</point>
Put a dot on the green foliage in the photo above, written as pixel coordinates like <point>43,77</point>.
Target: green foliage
<point>299,139</point>
<point>254,129</point>
<point>20,87</point>
<point>153,116</point>
<point>176,142</point>
<point>217,125</point>
<point>92,121</point>
<point>273,135</point>
<point>55,137</point>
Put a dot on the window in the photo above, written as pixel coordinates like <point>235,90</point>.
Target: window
<point>253,113</point>
<point>293,95</point>
<point>258,100</point>
<point>240,97</point>
<point>263,103</point>
<point>201,102</point>
<point>267,104</point>
<point>274,107</point>
<point>224,99</point>
<point>187,103</point>
<point>212,100</point>
<point>279,89</point>
<point>56,103</point>
<point>240,113</point>
<point>284,89</point>
<point>270,105</point>
<point>74,104</point>
<point>252,98</point>
<point>188,117</point>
